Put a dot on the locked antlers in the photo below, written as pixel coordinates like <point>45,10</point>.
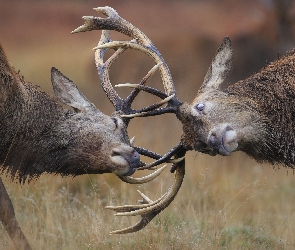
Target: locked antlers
<point>143,44</point>
<point>148,209</point>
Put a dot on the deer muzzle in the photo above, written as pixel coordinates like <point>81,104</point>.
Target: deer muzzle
<point>125,159</point>
<point>223,140</point>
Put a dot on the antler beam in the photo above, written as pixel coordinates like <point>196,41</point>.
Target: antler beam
<point>117,23</point>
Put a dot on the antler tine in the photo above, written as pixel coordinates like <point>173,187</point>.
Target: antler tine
<point>103,69</point>
<point>135,92</point>
<point>145,219</point>
<point>145,179</point>
<point>167,157</point>
<point>147,89</point>
<point>115,22</point>
<point>153,53</point>
<point>153,109</point>
<point>150,209</point>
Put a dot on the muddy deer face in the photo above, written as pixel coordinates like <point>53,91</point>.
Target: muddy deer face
<point>217,123</point>
<point>98,141</point>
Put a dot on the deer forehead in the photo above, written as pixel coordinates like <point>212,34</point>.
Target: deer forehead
<point>209,102</point>
<point>93,122</point>
<point>218,108</point>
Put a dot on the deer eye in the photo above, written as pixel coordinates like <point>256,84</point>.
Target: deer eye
<point>115,120</point>
<point>200,106</point>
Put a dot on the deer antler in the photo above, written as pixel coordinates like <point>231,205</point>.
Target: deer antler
<point>145,179</point>
<point>124,106</point>
<point>117,23</point>
<point>142,43</point>
<point>149,209</point>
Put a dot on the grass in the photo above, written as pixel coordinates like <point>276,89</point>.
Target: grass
<point>220,206</point>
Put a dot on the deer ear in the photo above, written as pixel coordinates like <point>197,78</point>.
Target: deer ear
<point>67,92</point>
<point>219,68</point>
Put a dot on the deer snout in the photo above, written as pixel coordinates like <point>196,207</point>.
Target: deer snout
<point>223,139</point>
<point>125,159</point>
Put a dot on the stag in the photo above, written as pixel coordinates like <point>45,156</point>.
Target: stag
<point>254,115</point>
<point>65,135</point>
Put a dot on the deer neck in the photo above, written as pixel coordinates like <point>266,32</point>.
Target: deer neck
<point>28,118</point>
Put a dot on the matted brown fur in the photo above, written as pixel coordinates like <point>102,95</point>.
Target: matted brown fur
<point>38,134</point>
<point>271,92</point>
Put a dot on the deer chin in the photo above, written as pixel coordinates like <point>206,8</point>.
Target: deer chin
<point>121,166</point>
<point>223,140</point>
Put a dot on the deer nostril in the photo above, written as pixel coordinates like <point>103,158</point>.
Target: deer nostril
<point>135,155</point>
<point>131,155</point>
<point>213,138</point>
<point>115,153</point>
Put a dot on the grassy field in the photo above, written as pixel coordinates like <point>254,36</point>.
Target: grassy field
<point>224,203</point>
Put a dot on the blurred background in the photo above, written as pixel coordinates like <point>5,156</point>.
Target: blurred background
<point>225,202</point>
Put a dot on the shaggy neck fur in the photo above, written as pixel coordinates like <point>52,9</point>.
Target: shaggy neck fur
<point>272,93</point>
<point>31,138</point>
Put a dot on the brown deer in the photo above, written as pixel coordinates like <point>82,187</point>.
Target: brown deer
<point>255,115</point>
<point>64,135</point>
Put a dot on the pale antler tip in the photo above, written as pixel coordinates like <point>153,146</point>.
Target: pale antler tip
<point>131,115</point>
<point>156,67</point>
<point>102,46</point>
<point>107,11</point>
<point>146,199</point>
<point>98,9</point>
<point>132,140</point>
<point>131,85</point>
<point>86,26</point>
<point>176,160</point>
<point>145,179</point>
<point>167,99</point>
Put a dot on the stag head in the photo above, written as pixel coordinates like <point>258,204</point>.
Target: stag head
<point>217,122</point>
<point>95,132</point>
<point>71,139</point>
